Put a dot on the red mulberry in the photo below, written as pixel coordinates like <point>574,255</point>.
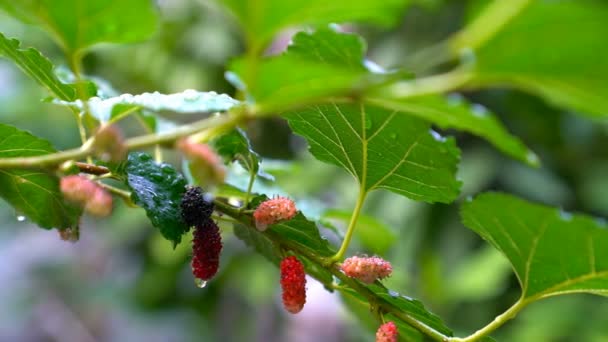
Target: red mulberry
<point>366,269</point>
<point>293,283</point>
<point>387,333</point>
<point>273,211</point>
<point>206,248</point>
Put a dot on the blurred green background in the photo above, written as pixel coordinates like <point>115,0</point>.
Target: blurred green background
<point>123,282</point>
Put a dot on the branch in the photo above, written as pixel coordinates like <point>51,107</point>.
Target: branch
<point>49,160</point>
<point>245,219</point>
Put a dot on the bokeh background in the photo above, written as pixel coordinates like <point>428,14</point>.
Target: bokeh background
<point>123,282</point>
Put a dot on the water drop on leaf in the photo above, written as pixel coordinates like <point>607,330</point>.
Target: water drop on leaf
<point>20,218</point>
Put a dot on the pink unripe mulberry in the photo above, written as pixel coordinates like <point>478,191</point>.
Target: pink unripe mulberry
<point>88,194</point>
<point>206,166</point>
<point>273,211</point>
<point>387,332</point>
<point>109,144</point>
<point>206,248</point>
<point>366,269</point>
<point>293,283</point>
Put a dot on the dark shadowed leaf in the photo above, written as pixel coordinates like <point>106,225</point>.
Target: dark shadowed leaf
<point>412,307</point>
<point>552,252</point>
<point>158,188</point>
<point>382,149</point>
<point>34,193</point>
<point>235,146</point>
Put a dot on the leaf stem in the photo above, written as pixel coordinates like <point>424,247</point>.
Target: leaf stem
<point>489,22</point>
<point>427,85</point>
<point>49,160</point>
<point>351,227</point>
<point>495,324</point>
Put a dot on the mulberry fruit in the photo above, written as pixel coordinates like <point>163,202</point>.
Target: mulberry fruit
<point>196,209</point>
<point>206,248</point>
<point>206,166</point>
<point>86,193</point>
<point>366,269</point>
<point>293,283</point>
<point>273,211</point>
<point>387,332</point>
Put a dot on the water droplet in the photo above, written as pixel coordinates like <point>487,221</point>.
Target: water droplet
<point>467,56</point>
<point>455,99</point>
<point>200,283</point>
<point>191,95</point>
<point>437,136</point>
<point>20,218</point>
<point>368,122</point>
<point>479,111</point>
<point>564,215</point>
<point>532,158</point>
<point>393,293</point>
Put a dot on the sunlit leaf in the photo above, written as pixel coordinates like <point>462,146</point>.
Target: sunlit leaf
<point>77,24</point>
<point>382,149</point>
<point>187,102</point>
<point>552,252</point>
<point>555,49</point>
<point>262,19</point>
<point>36,66</point>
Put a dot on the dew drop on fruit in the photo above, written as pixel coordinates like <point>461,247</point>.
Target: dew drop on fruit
<point>200,283</point>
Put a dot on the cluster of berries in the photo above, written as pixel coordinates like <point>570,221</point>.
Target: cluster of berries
<point>88,194</point>
<point>196,210</point>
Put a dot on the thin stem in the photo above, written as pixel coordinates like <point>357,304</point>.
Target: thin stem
<point>351,227</point>
<point>124,194</point>
<point>92,169</point>
<point>49,160</point>
<point>495,16</point>
<point>495,324</point>
<point>426,86</point>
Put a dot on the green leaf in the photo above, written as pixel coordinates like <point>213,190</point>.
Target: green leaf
<point>262,19</point>
<point>36,66</point>
<point>34,193</point>
<point>282,82</point>
<point>455,112</point>
<point>234,146</point>
<point>158,188</point>
<point>328,46</point>
<point>555,49</point>
<point>412,307</point>
<point>372,234</point>
<point>298,231</point>
<point>382,149</point>
<point>77,24</point>
<point>187,102</point>
<point>551,252</point>
<point>358,307</point>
